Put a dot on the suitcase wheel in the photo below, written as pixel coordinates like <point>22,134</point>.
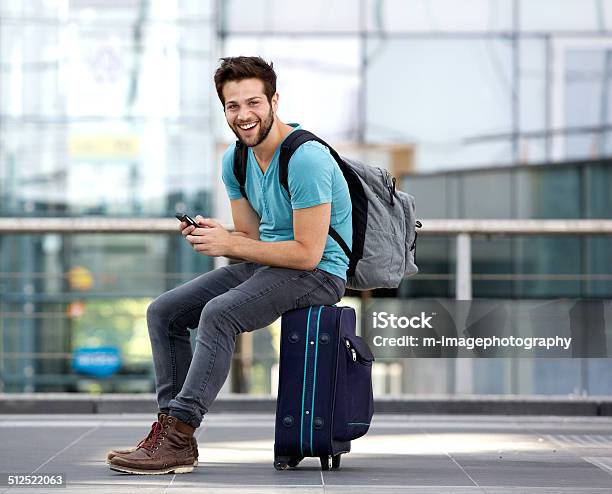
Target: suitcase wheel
<point>330,462</point>
<point>283,462</point>
<point>280,463</point>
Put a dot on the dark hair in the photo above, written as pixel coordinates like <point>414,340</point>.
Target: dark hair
<point>239,68</point>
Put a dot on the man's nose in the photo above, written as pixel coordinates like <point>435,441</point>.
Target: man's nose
<point>244,114</point>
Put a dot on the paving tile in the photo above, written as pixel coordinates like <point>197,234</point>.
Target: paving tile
<point>401,454</point>
<point>564,472</point>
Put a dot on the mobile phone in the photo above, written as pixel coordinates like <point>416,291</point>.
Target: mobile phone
<point>187,219</point>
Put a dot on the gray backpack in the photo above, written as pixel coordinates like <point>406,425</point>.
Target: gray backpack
<point>384,225</point>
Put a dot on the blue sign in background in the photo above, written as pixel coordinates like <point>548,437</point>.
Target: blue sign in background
<point>99,361</point>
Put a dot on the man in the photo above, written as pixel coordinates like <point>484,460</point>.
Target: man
<point>289,263</point>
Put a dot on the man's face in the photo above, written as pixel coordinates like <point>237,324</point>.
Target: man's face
<point>247,110</point>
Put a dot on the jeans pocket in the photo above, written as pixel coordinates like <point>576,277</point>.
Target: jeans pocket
<point>303,301</point>
<point>315,290</point>
<point>333,284</point>
<point>326,292</point>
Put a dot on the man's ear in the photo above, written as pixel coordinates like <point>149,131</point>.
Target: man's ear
<point>275,102</point>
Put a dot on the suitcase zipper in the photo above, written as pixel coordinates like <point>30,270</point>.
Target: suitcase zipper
<point>351,349</point>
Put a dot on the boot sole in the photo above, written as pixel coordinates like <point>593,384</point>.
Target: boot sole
<point>195,462</point>
<point>176,469</point>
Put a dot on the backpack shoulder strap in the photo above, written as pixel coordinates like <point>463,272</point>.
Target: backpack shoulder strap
<point>240,165</point>
<point>288,147</point>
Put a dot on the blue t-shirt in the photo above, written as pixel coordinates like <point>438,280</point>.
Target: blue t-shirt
<point>314,178</point>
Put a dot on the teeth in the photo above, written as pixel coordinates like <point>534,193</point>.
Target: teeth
<point>247,126</point>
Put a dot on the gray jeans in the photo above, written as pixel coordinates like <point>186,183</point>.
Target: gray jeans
<point>221,304</point>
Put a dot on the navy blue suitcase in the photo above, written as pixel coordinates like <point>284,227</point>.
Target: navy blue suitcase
<point>324,388</point>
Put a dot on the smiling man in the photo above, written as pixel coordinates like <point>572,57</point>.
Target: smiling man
<point>288,262</point>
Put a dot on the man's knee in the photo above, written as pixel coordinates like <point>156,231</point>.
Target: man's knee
<point>159,311</point>
<point>220,314</point>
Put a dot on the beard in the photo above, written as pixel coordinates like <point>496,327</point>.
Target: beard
<point>264,129</point>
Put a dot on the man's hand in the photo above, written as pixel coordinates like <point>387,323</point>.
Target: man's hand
<point>185,228</point>
<point>310,226</point>
<point>211,239</point>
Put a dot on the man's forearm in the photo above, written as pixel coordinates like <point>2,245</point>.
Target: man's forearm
<point>244,234</point>
<point>239,234</point>
<point>287,254</point>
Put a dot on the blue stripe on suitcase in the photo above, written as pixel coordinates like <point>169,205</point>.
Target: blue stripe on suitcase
<point>314,379</point>
<point>309,380</point>
<point>304,382</point>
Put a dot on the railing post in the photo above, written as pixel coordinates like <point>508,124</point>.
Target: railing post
<point>463,280</point>
<point>463,368</point>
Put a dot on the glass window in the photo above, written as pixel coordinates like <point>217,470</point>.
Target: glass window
<point>436,196</point>
<point>555,15</point>
<point>438,15</point>
<point>444,120</point>
<point>532,86</point>
<point>487,194</point>
<point>549,192</point>
<point>290,17</point>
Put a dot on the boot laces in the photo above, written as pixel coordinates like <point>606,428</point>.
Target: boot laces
<point>150,442</point>
<point>143,441</point>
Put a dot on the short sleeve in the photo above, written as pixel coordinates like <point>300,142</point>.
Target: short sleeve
<point>227,174</point>
<point>311,170</point>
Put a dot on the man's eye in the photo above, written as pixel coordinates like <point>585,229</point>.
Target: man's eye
<point>232,107</point>
<point>253,103</point>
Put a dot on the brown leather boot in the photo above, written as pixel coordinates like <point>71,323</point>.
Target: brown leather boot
<point>168,450</point>
<point>119,452</point>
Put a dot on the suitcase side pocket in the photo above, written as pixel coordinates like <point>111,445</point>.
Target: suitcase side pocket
<point>354,399</point>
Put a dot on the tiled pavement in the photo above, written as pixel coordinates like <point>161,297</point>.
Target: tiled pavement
<point>401,453</point>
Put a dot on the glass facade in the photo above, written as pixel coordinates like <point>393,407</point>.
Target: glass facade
<point>107,108</point>
<point>104,111</point>
<point>517,267</point>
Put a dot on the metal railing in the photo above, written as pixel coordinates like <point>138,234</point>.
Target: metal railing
<point>458,373</point>
<point>463,230</point>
